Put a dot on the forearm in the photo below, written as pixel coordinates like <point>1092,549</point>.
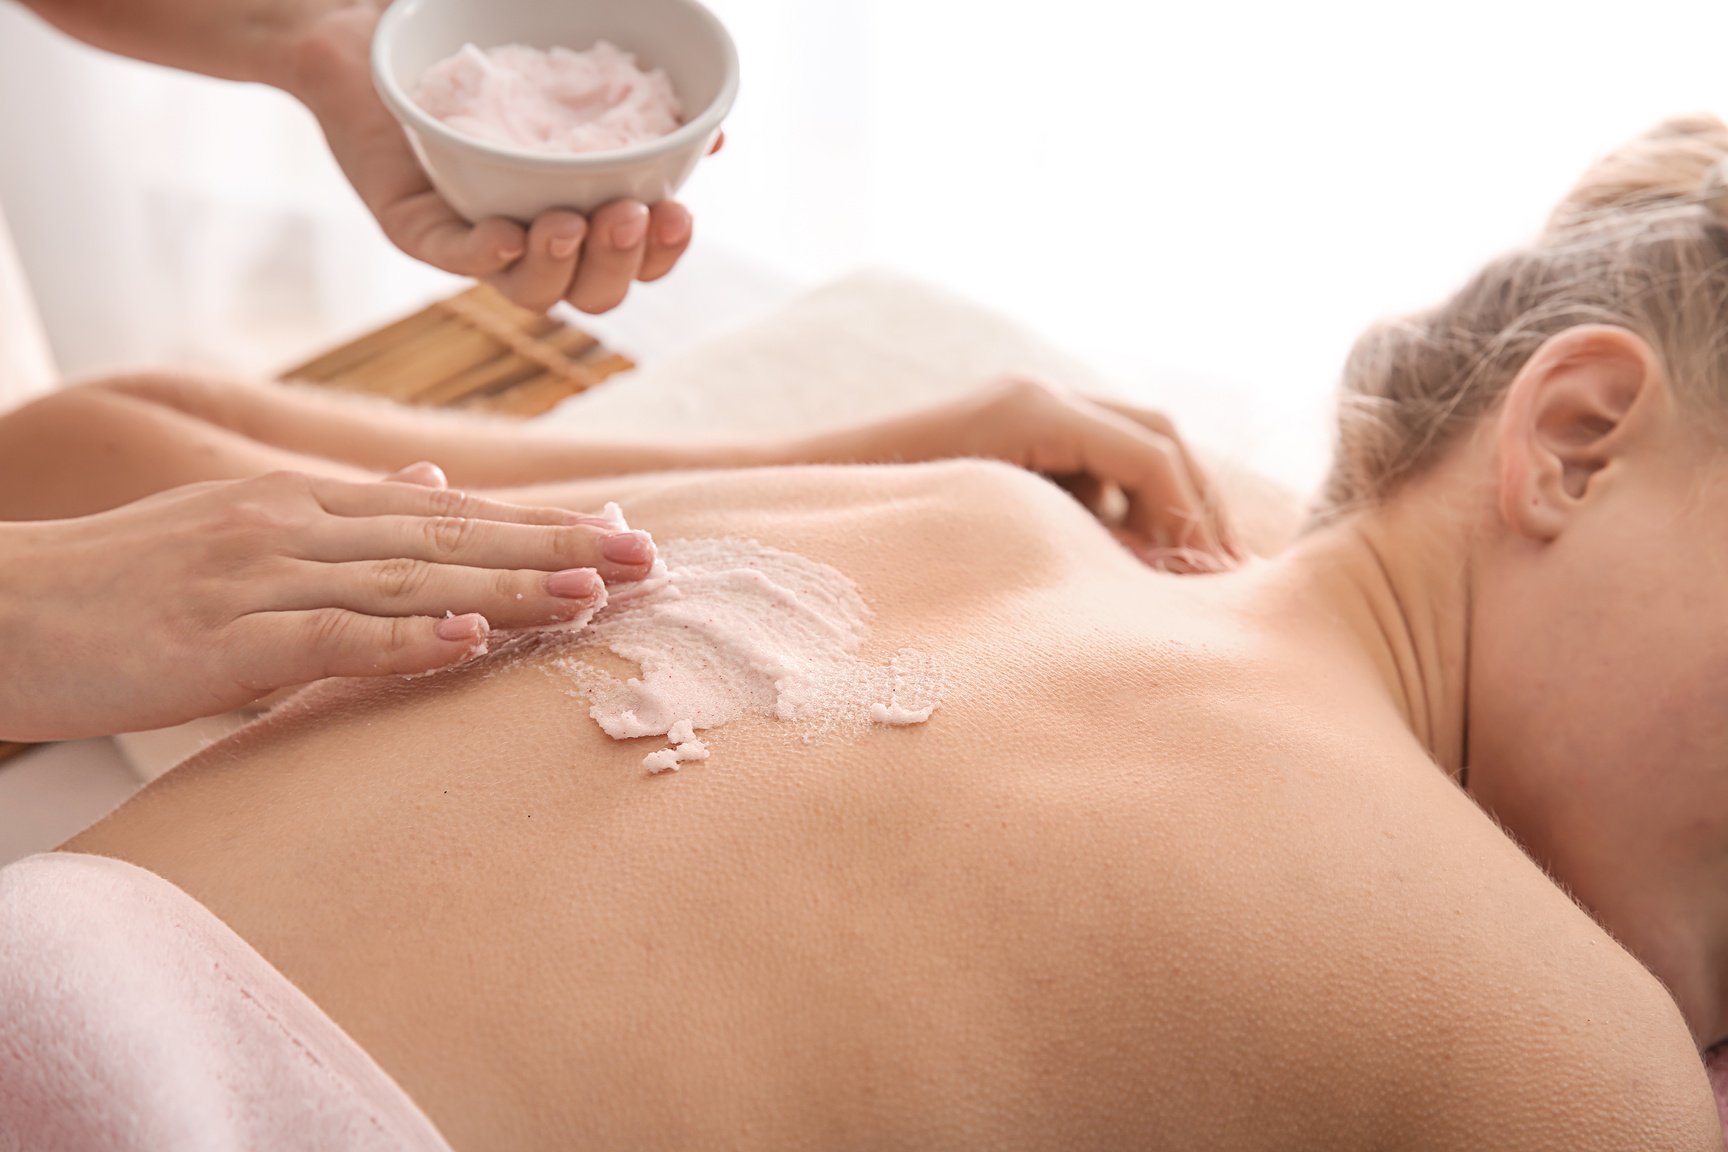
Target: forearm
<point>475,451</point>
<point>232,39</point>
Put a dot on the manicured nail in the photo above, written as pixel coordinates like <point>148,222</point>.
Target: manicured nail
<point>632,232</point>
<point>575,584</point>
<point>471,627</point>
<point>425,473</point>
<point>628,548</point>
<point>564,247</point>
<point>675,229</point>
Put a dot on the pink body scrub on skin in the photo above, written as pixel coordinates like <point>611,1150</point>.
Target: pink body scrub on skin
<point>722,629</point>
<point>556,101</point>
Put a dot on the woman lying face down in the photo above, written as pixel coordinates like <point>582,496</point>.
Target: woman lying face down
<point>1412,837</point>
<point>1560,425</point>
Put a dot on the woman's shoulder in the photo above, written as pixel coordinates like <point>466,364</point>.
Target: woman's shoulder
<point>1412,977</point>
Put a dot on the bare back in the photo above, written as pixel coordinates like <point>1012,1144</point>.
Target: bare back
<point>1147,878</point>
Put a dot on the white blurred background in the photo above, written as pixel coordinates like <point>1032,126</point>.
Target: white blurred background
<point>1206,200</point>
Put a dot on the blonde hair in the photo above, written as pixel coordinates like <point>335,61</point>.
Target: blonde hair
<point>1640,242</point>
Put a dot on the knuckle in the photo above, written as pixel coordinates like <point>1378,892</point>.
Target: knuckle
<point>569,547</point>
<point>245,519</point>
<point>446,501</point>
<point>400,634</point>
<point>330,629</point>
<point>284,483</point>
<point>448,535</point>
<point>507,585</point>
<point>404,646</point>
<point>399,578</point>
<point>256,511</point>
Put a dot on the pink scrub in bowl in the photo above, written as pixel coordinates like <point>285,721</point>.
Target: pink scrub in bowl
<point>486,160</point>
<point>554,101</point>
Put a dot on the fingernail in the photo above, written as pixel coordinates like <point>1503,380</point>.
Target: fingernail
<point>471,627</point>
<point>675,229</point>
<point>425,473</point>
<point>575,584</point>
<point>632,232</point>
<point>592,522</point>
<point>564,247</point>
<point>511,253</point>
<point>628,548</point>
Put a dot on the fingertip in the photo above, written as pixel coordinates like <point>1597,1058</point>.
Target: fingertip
<point>617,245</point>
<point>670,231</point>
<point>496,243</point>
<point>564,232</point>
<point>672,223</point>
<point>469,628</point>
<point>631,230</point>
<point>545,273</point>
<point>413,649</point>
<point>423,473</point>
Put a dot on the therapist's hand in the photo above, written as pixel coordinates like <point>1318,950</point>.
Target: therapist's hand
<point>592,263</point>
<point>204,598</point>
<point>1126,464</point>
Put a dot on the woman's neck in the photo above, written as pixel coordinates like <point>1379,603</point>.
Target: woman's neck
<point>1390,589</point>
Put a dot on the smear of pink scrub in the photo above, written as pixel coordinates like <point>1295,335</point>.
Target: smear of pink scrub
<point>726,628</point>
<point>556,101</point>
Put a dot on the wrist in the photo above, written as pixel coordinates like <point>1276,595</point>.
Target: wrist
<point>317,45</point>
<point>757,454</point>
<point>841,446</point>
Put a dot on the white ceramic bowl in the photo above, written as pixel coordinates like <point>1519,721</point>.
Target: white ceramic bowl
<point>482,179</point>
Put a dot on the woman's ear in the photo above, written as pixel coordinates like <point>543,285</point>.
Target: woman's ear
<point>1567,420</point>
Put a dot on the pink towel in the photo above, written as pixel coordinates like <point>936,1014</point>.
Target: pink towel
<point>132,1018</point>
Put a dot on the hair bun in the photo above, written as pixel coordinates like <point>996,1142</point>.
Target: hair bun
<point>1676,164</point>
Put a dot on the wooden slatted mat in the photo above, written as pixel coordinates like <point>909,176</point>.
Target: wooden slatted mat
<point>474,351</point>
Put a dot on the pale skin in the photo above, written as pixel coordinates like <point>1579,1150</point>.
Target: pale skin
<point>226,591</point>
<point>235,583</point>
<point>1177,863</point>
<point>317,51</point>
